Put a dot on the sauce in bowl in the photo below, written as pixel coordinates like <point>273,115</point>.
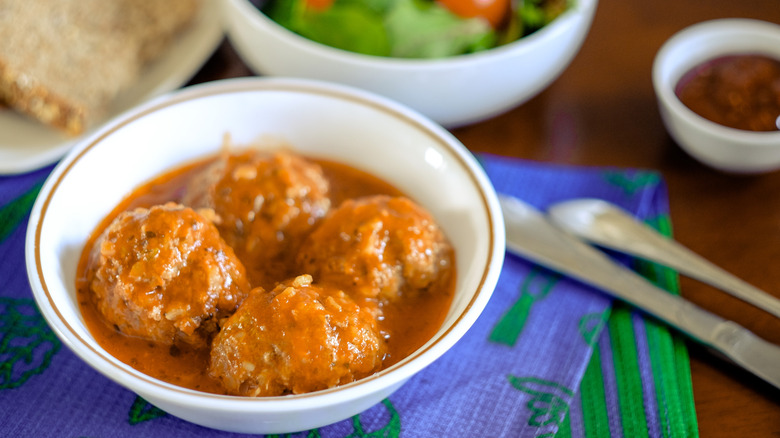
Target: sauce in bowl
<point>364,287</point>
<point>739,91</point>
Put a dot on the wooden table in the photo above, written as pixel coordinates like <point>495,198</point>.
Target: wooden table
<point>602,112</point>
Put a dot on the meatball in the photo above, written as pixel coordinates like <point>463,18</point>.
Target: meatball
<point>165,274</point>
<point>378,246</point>
<point>297,338</point>
<point>266,203</point>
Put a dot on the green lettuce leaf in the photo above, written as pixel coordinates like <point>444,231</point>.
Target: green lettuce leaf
<point>349,25</point>
<point>346,27</point>
<point>423,29</point>
<point>398,28</point>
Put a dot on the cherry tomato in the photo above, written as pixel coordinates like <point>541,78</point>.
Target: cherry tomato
<point>494,11</point>
<point>319,5</point>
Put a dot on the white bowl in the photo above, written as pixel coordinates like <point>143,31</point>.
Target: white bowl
<point>317,119</point>
<point>452,91</point>
<point>723,148</point>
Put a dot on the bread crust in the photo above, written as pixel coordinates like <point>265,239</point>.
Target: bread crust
<point>64,61</point>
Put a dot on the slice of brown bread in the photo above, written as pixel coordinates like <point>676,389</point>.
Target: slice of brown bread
<point>156,22</point>
<point>63,61</point>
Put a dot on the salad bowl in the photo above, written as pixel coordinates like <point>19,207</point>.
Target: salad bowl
<point>453,91</point>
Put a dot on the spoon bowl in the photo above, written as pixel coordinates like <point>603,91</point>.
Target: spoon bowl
<point>609,226</point>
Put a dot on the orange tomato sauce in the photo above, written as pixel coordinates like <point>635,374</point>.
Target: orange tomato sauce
<point>410,322</point>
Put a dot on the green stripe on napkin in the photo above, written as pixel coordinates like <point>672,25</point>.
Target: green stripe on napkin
<point>669,355</point>
<point>672,401</point>
<point>596,420</point>
<point>627,376</point>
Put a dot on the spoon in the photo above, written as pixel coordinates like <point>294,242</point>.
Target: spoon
<point>530,235</point>
<point>611,227</point>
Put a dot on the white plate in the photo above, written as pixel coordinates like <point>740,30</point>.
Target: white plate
<point>26,144</point>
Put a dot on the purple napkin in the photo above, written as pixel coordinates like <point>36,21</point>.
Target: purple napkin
<point>549,356</point>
